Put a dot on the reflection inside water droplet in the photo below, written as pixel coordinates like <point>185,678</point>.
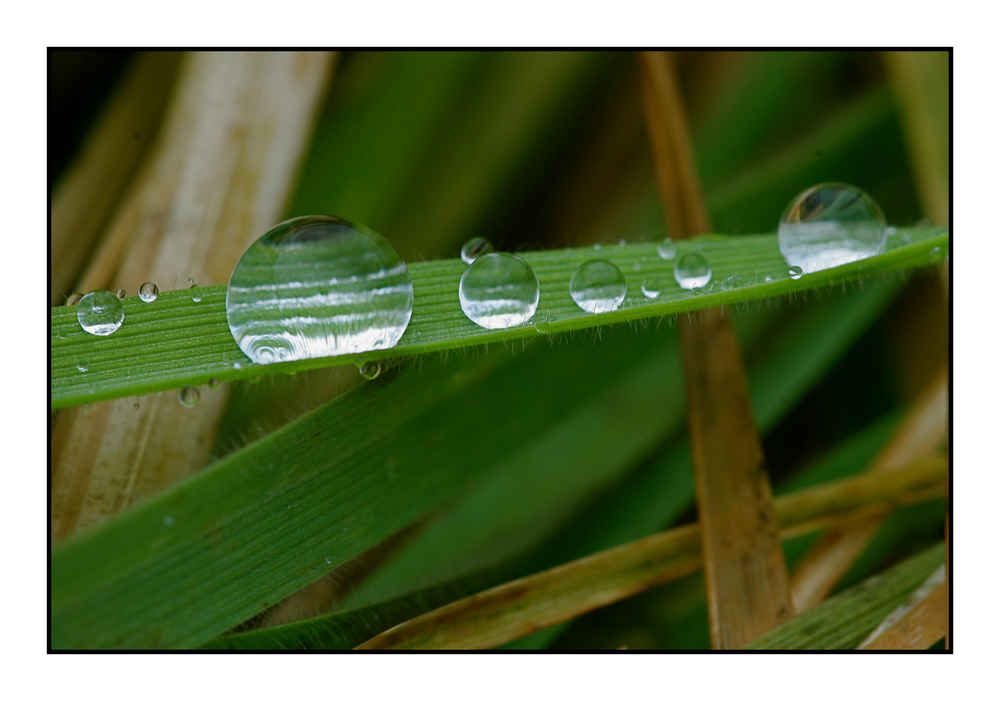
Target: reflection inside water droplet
<point>831,224</point>
<point>318,286</point>
<point>100,313</point>
<point>474,248</point>
<point>692,271</point>
<point>148,292</point>
<point>498,290</point>
<point>598,286</point>
<point>189,396</point>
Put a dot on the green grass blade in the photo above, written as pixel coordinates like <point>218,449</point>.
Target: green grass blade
<point>842,622</point>
<point>175,341</point>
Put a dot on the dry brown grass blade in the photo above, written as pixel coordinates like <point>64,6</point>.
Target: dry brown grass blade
<point>517,608</point>
<point>87,195</point>
<point>217,178</point>
<point>923,432</point>
<point>745,571</point>
<point>918,623</point>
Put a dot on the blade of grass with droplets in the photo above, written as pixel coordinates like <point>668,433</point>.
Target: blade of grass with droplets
<point>842,622</point>
<point>175,341</point>
<point>804,510</point>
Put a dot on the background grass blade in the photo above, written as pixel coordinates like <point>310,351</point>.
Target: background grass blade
<point>916,624</point>
<point>516,608</point>
<point>844,621</point>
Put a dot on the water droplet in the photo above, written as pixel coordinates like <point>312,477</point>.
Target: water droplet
<point>370,370</point>
<point>768,278</point>
<point>135,406</point>
<point>190,282</point>
<point>829,225</point>
<point>795,272</point>
<point>100,313</point>
<point>597,286</point>
<point>82,365</point>
<point>499,290</point>
<point>731,283</point>
<point>168,521</point>
<point>692,271</point>
<point>621,242</point>
<point>195,293</point>
<point>637,266</point>
<point>318,286</point>
<point>214,384</point>
<point>120,293</point>
<point>475,247</point>
<point>73,299</point>
<point>329,560</point>
<point>237,365</point>
<point>189,396</point>
<point>651,288</point>
<point>936,254</point>
<point>666,250</point>
<point>890,231</point>
<point>597,246</point>
<point>148,292</point>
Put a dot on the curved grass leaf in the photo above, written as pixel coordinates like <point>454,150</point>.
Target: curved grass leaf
<point>800,511</point>
<point>176,341</point>
<point>843,621</point>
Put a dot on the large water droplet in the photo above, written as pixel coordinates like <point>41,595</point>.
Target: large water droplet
<point>829,225</point>
<point>666,250</point>
<point>651,288</point>
<point>597,286</point>
<point>189,396</point>
<point>474,248</point>
<point>692,271</point>
<point>318,286</point>
<point>148,292</point>
<point>370,370</point>
<point>100,313</point>
<point>499,290</point>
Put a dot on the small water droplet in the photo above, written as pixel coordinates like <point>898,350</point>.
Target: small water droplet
<point>120,293</point>
<point>329,560</point>
<point>692,271</point>
<point>370,370</point>
<point>237,365</point>
<point>651,288</point>
<point>621,242</point>
<point>936,254</point>
<point>148,292</point>
<point>190,282</point>
<point>829,225</point>
<point>768,278</point>
<point>315,287</point>
<point>168,521</point>
<point>195,293</point>
<point>637,266</point>
<point>666,250</point>
<point>189,396</point>
<point>795,272</point>
<point>73,299</point>
<point>475,247</point>
<point>82,365</point>
<point>597,246</point>
<point>100,313</point>
<point>135,406</point>
<point>598,286</point>
<point>731,283</point>
<point>890,231</point>
<point>498,290</point>
<point>214,384</point>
